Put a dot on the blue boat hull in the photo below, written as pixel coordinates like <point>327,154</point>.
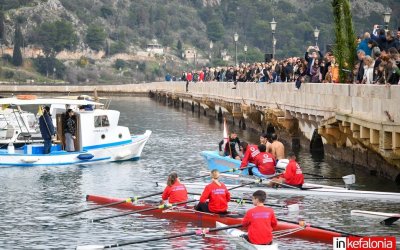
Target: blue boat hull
<point>222,163</point>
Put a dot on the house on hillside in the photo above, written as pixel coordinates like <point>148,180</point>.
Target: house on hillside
<point>154,47</point>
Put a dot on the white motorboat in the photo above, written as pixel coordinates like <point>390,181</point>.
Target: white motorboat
<point>99,138</point>
<point>236,236</point>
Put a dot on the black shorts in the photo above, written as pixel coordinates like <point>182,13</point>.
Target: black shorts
<point>246,237</point>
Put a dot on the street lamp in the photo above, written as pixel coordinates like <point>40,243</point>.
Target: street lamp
<point>137,74</point>
<point>183,55</point>
<point>211,47</point>
<point>194,58</point>
<point>54,75</point>
<point>273,28</point>
<point>236,38</point>
<point>245,54</point>
<point>386,18</point>
<point>316,35</point>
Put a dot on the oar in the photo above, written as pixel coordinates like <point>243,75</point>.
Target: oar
<point>143,210</point>
<point>243,201</point>
<point>110,204</point>
<point>322,228</point>
<point>197,232</point>
<point>323,178</point>
<point>207,175</point>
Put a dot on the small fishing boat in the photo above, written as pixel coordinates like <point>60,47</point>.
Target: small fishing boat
<point>224,163</point>
<point>384,218</point>
<point>311,233</point>
<point>99,138</point>
<point>237,234</point>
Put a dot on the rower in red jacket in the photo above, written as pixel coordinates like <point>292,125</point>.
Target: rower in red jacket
<point>293,175</point>
<point>250,153</point>
<point>260,221</point>
<point>265,163</point>
<point>174,191</point>
<point>217,195</point>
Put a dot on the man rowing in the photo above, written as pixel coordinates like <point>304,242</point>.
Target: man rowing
<point>292,176</point>
<point>276,148</point>
<point>260,221</point>
<point>250,153</point>
<point>217,195</point>
<point>265,163</point>
<point>174,191</point>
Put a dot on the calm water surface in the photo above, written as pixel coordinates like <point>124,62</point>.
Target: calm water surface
<point>32,197</point>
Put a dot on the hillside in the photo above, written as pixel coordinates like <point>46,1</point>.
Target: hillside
<point>120,26</point>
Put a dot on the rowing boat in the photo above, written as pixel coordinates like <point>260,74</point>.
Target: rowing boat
<point>237,236</point>
<point>385,218</point>
<point>202,219</point>
<point>308,190</point>
<point>223,164</point>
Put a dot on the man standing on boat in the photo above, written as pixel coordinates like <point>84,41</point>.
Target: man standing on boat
<point>231,147</point>
<point>217,195</point>
<point>46,129</point>
<point>293,175</point>
<point>70,130</point>
<point>174,191</point>
<point>260,221</point>
<point>250,153</point>
<point>265,163</point>
<point>276,148</point>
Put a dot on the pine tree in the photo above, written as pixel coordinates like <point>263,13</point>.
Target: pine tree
<point>17,55</point>
<point>345,47</point>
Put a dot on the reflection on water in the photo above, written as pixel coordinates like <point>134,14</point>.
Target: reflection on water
<point>32,197</point>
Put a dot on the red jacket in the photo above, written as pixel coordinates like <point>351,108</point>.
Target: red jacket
<point>293,174</point>
<point>218,197</point>
<point>260,221</point>
<point>265,163</point>
<point>175,193</point>
<point>189,76</point>
<point>251,152</point>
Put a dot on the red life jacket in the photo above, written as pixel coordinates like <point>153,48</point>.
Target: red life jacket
<point>293,174</point>
<point>218,197</point>
<point>265,163</point>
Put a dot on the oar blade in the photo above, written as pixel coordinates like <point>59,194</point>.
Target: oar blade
<point>90,247</point>
<point>389,221</point>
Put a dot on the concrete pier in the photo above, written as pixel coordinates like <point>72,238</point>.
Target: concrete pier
<point>359,124</point>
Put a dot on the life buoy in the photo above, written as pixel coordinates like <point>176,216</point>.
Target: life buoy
<point>26,97</point>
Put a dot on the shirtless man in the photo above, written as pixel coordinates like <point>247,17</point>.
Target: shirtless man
<point>276,148</point>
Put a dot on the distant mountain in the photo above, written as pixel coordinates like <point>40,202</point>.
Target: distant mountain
<point>131,24</point>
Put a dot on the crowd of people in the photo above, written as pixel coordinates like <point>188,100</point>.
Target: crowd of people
<point>377,54</point>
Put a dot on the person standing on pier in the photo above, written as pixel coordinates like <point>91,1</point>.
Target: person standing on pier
<point>260,221</point>
<point>217,195</point>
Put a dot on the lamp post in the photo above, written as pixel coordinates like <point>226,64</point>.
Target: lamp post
<point>273,28</point>
<point>137,74</point>
<point>386,18</point>
<point>245,54</point>
<point>316,35</point>
<point>54,75</point>
<point>211,47</point>
<point>236,38</point>
<point>194,58</point>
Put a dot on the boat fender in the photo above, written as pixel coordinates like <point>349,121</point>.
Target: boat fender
<point>123,154</point>
<point>85,156</point>
<point>30,159</point>
<point>282,163</point>
<point>26,97</point>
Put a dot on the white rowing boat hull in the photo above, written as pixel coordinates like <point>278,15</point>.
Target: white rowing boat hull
<point>317,190</point>
<point>236,233</point>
